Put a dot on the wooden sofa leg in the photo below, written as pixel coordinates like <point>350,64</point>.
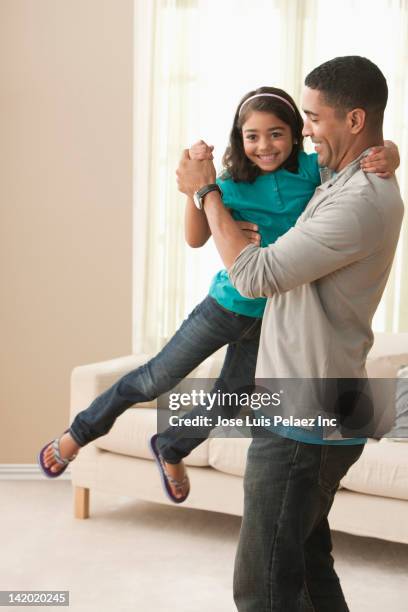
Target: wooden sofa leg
<point>81,503</point>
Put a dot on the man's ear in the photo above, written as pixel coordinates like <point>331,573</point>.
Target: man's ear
<point>356,119</point>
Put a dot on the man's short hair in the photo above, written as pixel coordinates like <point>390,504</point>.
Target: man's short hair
<point>351,82</point>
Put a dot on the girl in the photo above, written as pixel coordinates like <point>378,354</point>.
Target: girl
<point>267,180</point>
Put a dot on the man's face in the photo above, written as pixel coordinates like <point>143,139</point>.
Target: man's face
<point>328,132</point>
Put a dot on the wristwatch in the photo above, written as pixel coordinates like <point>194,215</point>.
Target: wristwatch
<point>199,195</point>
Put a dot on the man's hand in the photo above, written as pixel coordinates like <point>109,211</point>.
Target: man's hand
<point>192,174</point>
<point>382,161</point>
<point>250,231</point>
<point>201,150</point>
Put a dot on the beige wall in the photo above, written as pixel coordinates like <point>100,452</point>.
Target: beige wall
<point>65,202</point>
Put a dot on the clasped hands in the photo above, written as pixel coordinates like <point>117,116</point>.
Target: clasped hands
<point>195,170</point>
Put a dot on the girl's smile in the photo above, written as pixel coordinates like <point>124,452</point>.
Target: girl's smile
<point>267,140</point>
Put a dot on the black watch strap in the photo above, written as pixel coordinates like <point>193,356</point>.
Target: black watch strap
<point>201,193</point>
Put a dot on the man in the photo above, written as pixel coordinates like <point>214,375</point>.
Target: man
<point>324,279</point>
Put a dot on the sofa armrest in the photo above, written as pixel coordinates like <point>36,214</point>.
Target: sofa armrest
<point>89,381</point>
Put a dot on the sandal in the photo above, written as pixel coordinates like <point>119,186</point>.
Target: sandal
<point>57,457</point>
<point>166,479</point>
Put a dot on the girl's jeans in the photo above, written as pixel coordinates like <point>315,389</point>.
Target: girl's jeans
<point>208,327</point>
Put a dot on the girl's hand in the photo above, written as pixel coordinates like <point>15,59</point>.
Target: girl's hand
<point>200,150</point>
<point>250,231</point>
<point>383,161</point>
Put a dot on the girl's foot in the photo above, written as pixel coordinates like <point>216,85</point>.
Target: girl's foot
<point>178,472</point>
<point>173,475</point>
<point>67,447</point>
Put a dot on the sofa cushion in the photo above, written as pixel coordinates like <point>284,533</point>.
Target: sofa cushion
<point>131,434</point>
<point>399,430</point>
<point>381,470</point>
<point>386,366</point>
<point>383,370</point>
<point>228,455</point>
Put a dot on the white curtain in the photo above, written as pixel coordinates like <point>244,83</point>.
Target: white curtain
<point>377,29</point>
<point>164,81</point>
<point>194,60</point>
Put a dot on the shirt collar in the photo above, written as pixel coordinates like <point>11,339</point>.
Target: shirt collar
<point>329,177</point>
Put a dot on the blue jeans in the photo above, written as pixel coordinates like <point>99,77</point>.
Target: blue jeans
<point>207,328</point>
<point>284,561</point>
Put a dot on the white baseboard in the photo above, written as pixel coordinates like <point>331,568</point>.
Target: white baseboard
<point>26,471</point>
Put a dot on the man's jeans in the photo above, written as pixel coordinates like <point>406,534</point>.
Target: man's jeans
<point>207,328</point>
<point>284,561</point>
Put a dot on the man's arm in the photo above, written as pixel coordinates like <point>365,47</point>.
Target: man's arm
<point>196,228</point>
<point>192,175</point>
<point>230,236</point>
<point>335,237</point>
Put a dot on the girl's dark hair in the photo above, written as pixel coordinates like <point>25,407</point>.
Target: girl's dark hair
<point>235,162</point>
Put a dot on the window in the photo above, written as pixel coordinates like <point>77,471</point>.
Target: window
<point>194,60</point>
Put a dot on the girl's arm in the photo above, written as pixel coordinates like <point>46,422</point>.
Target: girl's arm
<point>196,228</point>
<point>197,233</point>
<point>383,161</point>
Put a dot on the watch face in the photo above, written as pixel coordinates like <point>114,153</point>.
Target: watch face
<point>197,201</point>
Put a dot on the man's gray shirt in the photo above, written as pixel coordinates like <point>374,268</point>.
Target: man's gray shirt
<point>324,278</point>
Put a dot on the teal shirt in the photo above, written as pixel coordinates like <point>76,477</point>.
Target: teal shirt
<point>274,202</point>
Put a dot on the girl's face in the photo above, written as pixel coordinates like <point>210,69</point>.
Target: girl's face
<point>267,140</point>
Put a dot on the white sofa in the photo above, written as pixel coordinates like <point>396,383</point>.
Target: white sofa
<point>373,500</point>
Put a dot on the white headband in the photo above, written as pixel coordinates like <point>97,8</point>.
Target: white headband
<point>260,95</point>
